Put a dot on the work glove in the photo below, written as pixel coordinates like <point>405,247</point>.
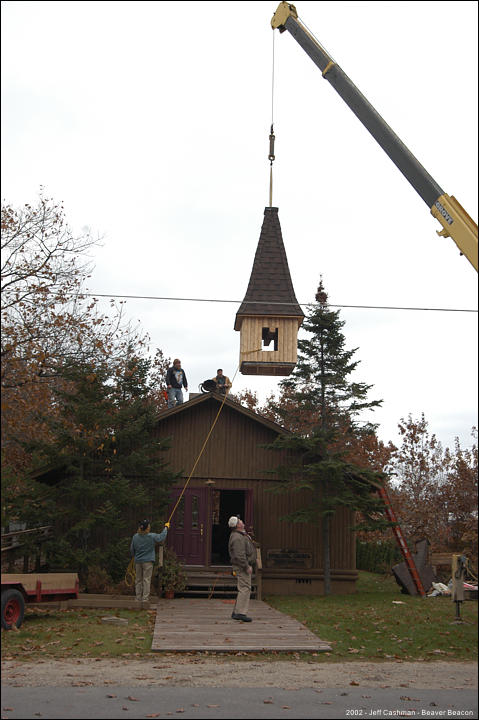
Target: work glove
<point>167,525</point>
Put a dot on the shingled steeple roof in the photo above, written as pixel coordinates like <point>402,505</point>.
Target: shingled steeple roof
<point>270,290</point>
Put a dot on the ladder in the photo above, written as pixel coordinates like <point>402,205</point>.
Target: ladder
<point>401,541</point>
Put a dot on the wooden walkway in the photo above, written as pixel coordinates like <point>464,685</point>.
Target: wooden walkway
<point>187,625</point>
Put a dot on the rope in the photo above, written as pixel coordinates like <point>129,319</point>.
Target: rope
<point>130,574</point>
<point>228,574</point>
<point>202,450</point>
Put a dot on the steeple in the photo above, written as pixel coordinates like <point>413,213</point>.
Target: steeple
<point>269,312</point>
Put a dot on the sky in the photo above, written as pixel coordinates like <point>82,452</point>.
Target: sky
<point>150,121</point>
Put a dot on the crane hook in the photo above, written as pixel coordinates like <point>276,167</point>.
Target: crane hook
<point>271,145</point>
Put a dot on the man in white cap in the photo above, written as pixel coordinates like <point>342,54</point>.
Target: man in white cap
<point>243,557</point>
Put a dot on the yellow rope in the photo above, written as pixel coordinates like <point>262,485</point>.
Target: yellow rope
<point>130,572</point>
<point>202,450</point>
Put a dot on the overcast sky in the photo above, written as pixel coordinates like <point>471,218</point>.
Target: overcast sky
<point>150,121</point>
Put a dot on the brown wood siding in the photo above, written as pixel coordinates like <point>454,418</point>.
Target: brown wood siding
<point>233,450</point>
<point>235,460</point>
<point>273,533</point>
<point>251,339</point>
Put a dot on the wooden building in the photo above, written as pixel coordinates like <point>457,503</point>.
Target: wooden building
<point>233,478</point>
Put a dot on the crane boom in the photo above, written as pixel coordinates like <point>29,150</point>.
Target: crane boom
<point>455,221</point>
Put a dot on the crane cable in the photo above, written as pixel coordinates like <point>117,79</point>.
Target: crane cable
<point>130,573</point>
<point>271,155</point>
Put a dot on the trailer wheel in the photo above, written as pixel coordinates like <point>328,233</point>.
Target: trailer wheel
<point>13,608</point>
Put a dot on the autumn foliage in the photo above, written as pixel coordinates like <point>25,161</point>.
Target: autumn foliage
<point>57,346</point>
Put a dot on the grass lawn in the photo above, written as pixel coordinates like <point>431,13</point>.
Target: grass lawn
<point>77,633</point>
<point>364,626</point>
<point>371,625</point>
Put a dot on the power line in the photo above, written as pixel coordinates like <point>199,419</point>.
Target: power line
<point>256,302</point>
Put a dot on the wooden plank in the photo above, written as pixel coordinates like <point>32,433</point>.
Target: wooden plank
<point>185,624</point>
<point>88,600</point>
<point>441,558</point>
<point>49,581</point>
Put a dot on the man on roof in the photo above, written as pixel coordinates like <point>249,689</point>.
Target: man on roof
<point>175,380</point>
<point>223,383</point>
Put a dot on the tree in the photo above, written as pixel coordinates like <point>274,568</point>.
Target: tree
<point>320,404</point>
<point>47,318</point>
<point>458,496</point>
<point>435,489</point>
<point>104,442</point>
<point>420,467</point>
<point>320,394</point>
<point>333,483</point>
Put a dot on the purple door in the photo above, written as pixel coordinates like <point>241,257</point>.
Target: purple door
<point>187,535</point>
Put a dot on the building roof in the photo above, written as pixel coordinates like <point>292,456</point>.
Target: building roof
<point>270,290</point>
<point>219,398</point>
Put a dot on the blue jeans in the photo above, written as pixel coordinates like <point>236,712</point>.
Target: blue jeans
<point>175,397</point>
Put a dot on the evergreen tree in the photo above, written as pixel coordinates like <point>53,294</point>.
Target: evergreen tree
<point>320,394</point>
<point>104,439</point>
<point>320,404</point>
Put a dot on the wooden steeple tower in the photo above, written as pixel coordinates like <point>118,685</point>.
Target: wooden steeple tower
<point>269,317</point>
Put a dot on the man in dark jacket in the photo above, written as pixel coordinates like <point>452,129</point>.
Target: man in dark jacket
<point>175,380</point>
<point>243,557</point>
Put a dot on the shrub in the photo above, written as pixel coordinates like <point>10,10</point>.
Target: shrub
<point>377,557</point>
<point>98,580</point>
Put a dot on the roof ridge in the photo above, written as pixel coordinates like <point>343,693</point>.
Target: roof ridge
<point>232,404</point>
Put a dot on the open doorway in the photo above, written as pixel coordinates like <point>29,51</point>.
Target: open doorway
<point>225,504</point>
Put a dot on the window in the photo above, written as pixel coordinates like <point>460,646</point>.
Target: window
<point>268,335</point>
<point>194,512</point>
<point>180,515</point>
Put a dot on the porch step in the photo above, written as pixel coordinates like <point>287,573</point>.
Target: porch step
<point>202,582</point>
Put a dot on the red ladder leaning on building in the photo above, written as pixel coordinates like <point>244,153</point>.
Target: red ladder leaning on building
<point>401,541</point>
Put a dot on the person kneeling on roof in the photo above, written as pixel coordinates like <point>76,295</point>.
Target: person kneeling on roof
<point>223,383</point>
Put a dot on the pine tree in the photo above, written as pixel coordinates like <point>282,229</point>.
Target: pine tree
<point>320,394</point>
<point>320,404</point>
<point>104,439</point>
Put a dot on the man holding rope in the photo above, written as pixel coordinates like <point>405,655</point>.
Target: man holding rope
<point>142,549</point>
<point>243,557</point>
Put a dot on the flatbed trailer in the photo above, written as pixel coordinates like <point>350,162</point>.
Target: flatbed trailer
<point>20,589</point>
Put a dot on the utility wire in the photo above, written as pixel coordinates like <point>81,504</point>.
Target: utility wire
<point>266,302</point>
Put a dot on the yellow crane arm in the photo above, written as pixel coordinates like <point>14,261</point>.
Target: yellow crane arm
<point>455,221</point>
